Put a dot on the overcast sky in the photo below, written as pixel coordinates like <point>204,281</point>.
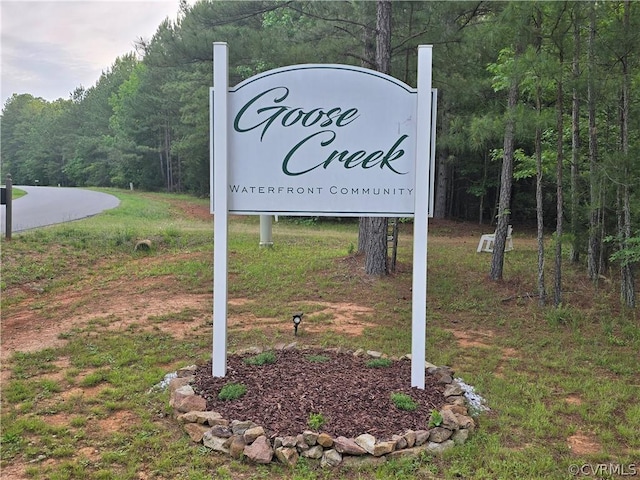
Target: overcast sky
<point>48,48</point>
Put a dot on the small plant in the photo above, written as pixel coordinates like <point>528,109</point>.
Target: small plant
<point>403,402</point>
<point>261,359</point>
<point>379,363</point>
<point>317,358</point>
<point>435,419</point>
<point>232,391</point>
<point>316,421</point>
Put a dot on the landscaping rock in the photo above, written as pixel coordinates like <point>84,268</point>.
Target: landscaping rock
<point>383,448</point>
<point>439,434</point>
<point>310,438</point>
<point>236,449</point>
<point>367,442</point>
<point>314,452</point>
<point>348,446</point>
<point>259,451</point>
<point>238,427</point>
<point>288,456</point>
<point>217,444</point>
<point>330,458</point>
<point>325,440</point>
<point>195,431</point>
<point>251,434</point>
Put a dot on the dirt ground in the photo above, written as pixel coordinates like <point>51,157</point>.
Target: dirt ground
<point>26,329</point>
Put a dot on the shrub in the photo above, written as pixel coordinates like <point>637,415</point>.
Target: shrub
<point>232,391</point>
<point>379,363</point>
<point>316,421</point>
<point>403,402</point>
<point>261,359</point>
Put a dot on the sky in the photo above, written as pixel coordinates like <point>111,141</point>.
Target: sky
<point>49,48</point>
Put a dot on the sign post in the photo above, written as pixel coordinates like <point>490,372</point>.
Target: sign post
<point>327,140</point>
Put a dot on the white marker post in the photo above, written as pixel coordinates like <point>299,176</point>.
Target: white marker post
<point>420,220</point>
<point>219,207</point>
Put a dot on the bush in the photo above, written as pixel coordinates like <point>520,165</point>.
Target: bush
<point>232,391</point>
<point>403,402</point>
<point>261,359</point>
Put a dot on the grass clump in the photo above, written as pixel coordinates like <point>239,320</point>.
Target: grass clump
<point>232,391</point>
<point>435,419</point>
<point>317,358</point>
<point>403,401</point>
<point>316,421</point>
<point>379,363</point>
<point>263,358</point>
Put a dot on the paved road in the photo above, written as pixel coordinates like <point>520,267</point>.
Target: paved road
<point>49,205</point>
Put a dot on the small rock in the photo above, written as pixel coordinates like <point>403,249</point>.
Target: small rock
<point>457,409</point>
<point>330,458</point>
<point>186,372</point>
<point>185,400</point>
<point>459,400</point>
<point>466,422</point>
<point>410,438</point>
<point>439,434</point>
<point>314,452</point>
<point>195,431</point>
<point>301,445</point>
<point>421,437</point>
<point>277,442</point>
<point>449,420</point>
<point>291,346</point>
<point>374,354</point>
<point>238,427</point>
<point>259,451</point>
<point>437,448</point>
<point>460,436</point>
<point>217,444</point>
<point>222,431</point>
<point>236,449</point>
<point>383,448</point>
<point>310,438</point>
<point>325,440</point>
<point>289,441</point>
<point>358,353</point>
<point>348,446</point>
<point>209,418</point>
<point>453,390</point>
<point>366,441</point>
<point>176,383</point>
<point>251,434</point>
<point>401,442</point>
<point>279,346</point>
<point>288,456</point>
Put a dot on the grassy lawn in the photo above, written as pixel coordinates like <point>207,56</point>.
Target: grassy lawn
<point>90,325</point>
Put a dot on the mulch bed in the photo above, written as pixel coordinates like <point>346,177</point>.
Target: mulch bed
<point>353,398</point>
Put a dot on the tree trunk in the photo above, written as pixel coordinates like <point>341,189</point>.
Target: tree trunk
<point>375,242</point>
<point>557,293</point>
<point>595,245</point>
<point>542,293</point>
<point>506,179</point>
<point>627,287</point>
<point>575,137</point>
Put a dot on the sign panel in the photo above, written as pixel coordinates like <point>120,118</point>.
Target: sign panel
<point>322,140</point>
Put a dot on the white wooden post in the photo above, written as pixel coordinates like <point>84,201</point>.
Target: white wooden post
<point>420,220</point>
<point>219,169</point>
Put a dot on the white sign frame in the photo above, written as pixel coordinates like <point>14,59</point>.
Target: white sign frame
<point>225,116</point>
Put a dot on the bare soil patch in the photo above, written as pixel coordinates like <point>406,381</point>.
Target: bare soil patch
<point>583,444</point>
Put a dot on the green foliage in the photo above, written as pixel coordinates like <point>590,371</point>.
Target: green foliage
<point>402,401</point>
<point>232,391</point>
<point>263,358</point>
<point>316,421</point>
<point>379,363</point>
<point>435,419</point>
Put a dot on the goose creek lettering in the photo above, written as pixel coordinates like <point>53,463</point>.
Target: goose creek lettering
<point>267,110</point>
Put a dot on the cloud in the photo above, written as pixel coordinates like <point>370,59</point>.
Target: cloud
<point>49,48</point>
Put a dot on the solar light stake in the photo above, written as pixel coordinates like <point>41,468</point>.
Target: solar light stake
<point>297,318</point>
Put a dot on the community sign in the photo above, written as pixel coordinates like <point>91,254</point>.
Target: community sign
<point>318,140</point>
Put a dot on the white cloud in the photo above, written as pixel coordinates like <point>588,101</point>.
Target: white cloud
<point>48,48</point>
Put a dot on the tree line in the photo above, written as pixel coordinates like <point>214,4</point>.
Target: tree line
<point>537,116</point>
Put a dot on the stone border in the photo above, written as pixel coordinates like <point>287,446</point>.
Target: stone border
<point>239,438</point>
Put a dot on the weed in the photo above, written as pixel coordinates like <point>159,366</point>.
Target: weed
<point>402,401</point>
<point>435,419</point>
<point>317,358</point>
<point>232,391</point>
<point>263,358</point>
<point>316,421</point>
<point>379,363</point>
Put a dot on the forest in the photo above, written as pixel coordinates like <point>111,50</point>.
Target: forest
<point>537,122</point>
